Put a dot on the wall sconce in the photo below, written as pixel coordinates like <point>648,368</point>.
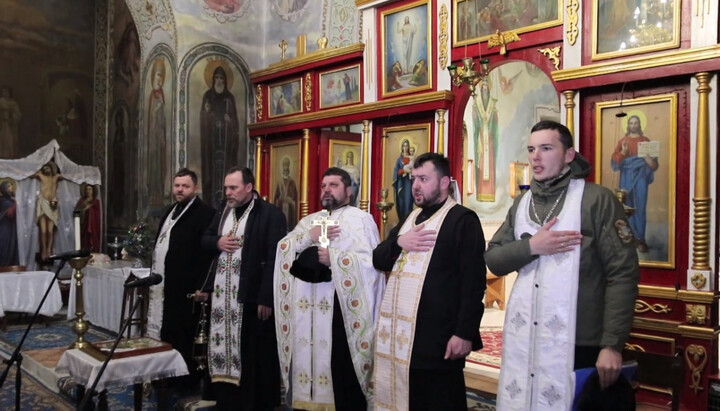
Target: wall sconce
<point>467,74</point>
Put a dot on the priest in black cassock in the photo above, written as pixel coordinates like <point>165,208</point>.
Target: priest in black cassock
<point>242,353</point>
<point>180,259</point>
<point>431,311</point>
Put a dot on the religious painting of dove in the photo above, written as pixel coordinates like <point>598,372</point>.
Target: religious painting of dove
<point>327,297</point>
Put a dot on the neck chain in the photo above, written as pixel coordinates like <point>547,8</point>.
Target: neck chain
<point>552,209</point>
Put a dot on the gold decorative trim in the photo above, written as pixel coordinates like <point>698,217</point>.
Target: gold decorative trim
<point>443,38</point>
<point>304,206</point>
<point>643,307</point>
<point>313,57</point>
<point>443,95</point>
<point>695,314</point>
<point>440,130</point>
<point>655,325</point>
<point>656,338</point>
<point>502,39</point>
<point>570,110</point>
<point>308,92</point>
<point>702,200</point>
<point>572,31</point>
<point>553,54</point>
<point>696,358</point>
<point>638,63</point>
<point>657,291</point>
<point>258,163</point>
<point>258,102</point>
<point>705,297</point>
<point>359,3</point>
<point>365,187</point>
<point>634,347</point>
<point>700,333</point>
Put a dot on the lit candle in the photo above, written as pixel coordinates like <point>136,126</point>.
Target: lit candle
<point>77,232</point>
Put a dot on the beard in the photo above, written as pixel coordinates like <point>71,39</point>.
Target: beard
<point>430,199</point>
<point>330,203</point>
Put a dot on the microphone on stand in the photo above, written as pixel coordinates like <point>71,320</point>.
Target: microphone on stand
<point>152,279</point>
<point>70,255</point>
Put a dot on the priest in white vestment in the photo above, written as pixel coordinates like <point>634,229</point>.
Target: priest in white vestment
<point>327,297</point>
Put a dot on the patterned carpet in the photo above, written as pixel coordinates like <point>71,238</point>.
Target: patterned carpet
<point>491,352</point>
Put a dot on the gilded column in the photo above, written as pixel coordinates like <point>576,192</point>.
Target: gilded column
<point>701,225</point>
<point>365,186</point>
<point>258,163</point>
<point>441,130</point>
<point>570,110</point>
<point>304,206</point>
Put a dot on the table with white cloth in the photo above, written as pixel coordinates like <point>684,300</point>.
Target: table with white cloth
<point>23,291</point>
<point>121,372</point>
<point>103,289</point>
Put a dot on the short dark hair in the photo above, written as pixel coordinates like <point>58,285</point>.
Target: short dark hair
<point>183,172</point>
<point>565,136</point>
<point>337,171</point>
<point>247,174</point>
<point>441,163</point>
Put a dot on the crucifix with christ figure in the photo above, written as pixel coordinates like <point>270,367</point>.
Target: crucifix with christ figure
<point>324,222</point>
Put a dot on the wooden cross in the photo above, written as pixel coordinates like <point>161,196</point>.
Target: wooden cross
<point>324,222</point>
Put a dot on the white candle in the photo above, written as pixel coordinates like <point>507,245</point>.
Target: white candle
<point>77,232</point>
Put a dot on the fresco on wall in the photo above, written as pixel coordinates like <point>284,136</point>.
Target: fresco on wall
<point>123,122</point>
<point>497,121</point>
<point>39,102</point>
<point>290,10</point>
<point>216,92</point>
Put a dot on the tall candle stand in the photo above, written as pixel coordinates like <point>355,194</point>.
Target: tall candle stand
<point>80,326</point>
<point>384,207</point>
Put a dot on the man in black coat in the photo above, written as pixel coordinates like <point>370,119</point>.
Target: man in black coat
<point>244,237</point>
<point>183,263</point>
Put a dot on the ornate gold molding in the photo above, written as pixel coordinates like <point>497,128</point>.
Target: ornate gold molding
<point>702,200</point>
<point>308,91</point>
<point>695,314</point>
<point>696,358</point>
<point>553,54</point>
<point>443,38</point>
<point>258,102</point>
<point>572,7</point>
<point>643,307</point>
<point>655,338</point>
<point>365,186</point>
<point>443,95</point>
<point>570,110</point>
<point>502,39</point>
<point>304,206</point>
<point>705,297</point>
<point>441,130</point>
<point>258,163</point>
<point>313,57</point>
<point>700,333</point>
<point>655,325</point>
<point>668,58</point>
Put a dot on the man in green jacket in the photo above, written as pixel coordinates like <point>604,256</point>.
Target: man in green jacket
<point>573,301</point>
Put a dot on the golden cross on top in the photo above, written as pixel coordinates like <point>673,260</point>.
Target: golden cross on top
<point>283,48</point>
<point>324,222</point>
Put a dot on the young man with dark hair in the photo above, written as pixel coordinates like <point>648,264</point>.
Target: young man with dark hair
<point>573,301</point>
<point>430,314</point>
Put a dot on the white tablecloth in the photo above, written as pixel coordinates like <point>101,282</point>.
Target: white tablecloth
<point>23,291</point>
<point>121,372</point>
<point>103,293</point>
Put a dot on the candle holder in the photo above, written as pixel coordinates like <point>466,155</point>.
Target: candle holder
<point>80,326</point>
<point>466,73</point>
<point>621,194</point>
<point>115,249</point>
<point>384,206</point>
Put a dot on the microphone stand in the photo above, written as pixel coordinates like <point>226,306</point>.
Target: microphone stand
<point>89,393</point>
<point>16,357</point>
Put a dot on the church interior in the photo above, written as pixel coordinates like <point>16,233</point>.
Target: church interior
<point>117,95</point>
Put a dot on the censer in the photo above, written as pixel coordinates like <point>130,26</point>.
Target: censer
<point>200,343</point>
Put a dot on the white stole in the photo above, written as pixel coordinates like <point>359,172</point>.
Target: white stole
<point>539,331</point>
<point>398,315</point>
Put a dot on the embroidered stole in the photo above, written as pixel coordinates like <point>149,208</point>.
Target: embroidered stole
<point>224,362</point>
<point>539,331</point>
<point>398,314</point>
<point>304,313</point>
